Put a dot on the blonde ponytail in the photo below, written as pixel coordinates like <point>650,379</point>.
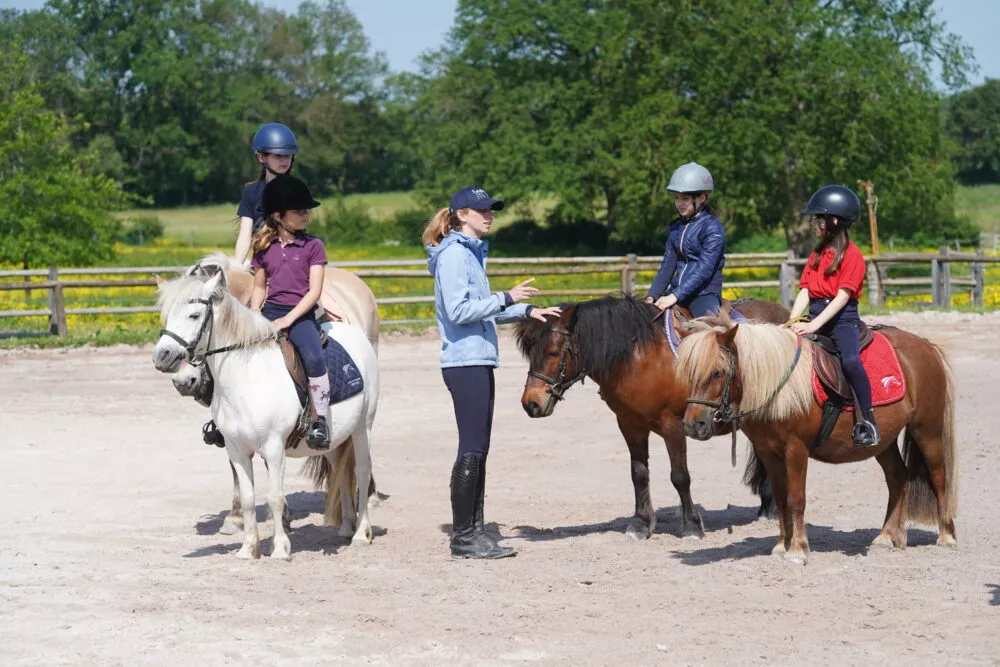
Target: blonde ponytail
<point>264,237</point>
<point>440,226</point>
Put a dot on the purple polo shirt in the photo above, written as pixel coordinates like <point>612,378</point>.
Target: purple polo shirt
<point>287,267</point>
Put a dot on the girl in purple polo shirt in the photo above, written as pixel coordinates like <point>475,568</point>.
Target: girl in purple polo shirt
<point>289,268</point>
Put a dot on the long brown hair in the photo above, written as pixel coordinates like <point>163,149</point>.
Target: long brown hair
<point>265,236</point>
<point>442,224</point>
<point>834,236</point>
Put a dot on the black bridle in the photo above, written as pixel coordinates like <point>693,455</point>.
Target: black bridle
<point>559,385</point>
<point>206,324</point>
<point>724,411</point>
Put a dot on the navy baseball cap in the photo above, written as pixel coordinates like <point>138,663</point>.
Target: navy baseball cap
<point>474,198</point>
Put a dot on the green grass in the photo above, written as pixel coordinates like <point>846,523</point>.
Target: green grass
<point>981,204</point>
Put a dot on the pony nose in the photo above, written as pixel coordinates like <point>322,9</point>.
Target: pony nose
<point>701,427</point>
<point>531,408</point>
<point>165,360</point>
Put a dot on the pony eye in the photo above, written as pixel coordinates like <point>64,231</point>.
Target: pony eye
<point>194,316</point>
<point>716,375</point>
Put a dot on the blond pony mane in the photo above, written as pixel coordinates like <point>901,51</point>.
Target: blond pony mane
<point>234,323</point>
<point>765,354</point>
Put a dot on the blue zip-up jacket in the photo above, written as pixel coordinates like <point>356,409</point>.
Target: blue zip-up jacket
<point>467,312</point>
<point>693,259</point>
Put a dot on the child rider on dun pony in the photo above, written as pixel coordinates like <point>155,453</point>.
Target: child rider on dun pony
<point>831,285</point>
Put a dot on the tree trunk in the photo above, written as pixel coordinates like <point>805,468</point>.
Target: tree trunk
<point>799,235</point>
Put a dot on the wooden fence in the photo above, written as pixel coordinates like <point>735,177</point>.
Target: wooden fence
<point>941,284</point>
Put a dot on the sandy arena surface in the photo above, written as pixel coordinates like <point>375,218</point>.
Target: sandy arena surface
<point>110,555</point>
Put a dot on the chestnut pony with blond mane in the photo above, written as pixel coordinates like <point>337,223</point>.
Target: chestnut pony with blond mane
<point>766,374</point>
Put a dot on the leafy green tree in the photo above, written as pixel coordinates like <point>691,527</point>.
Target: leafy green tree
<point>974,124</point>
<point>597,101</point>
<point>56,202</point>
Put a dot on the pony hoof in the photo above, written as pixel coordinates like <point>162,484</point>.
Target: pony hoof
<point>795,558</point>
<point>635,535</point>
<point>359,541</point>
<point>947,541</point>
<point>230,528</point>
<point>883,542</point>
<point>778,551</point>
<point>693,536</point>
<point>287,557</point>
<point>246,553</point>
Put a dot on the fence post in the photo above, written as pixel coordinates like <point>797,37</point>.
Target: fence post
<point>978,275</point>
<point>628,274</point>
<point>945,279</point>
<point>57,305</point>
<point>786,280</point>
<point>875,296</point>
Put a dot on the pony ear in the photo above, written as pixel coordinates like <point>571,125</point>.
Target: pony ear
<point>727,337</point>
<point>215,287</point>
<point>160,282</point>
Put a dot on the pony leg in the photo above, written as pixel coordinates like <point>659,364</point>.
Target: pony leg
<point>894,528</point>
<point>276,501</point>
<point>243,465</point>
<point>363,472</point>
<point>775,466</point>
<point>692,527</point>
<point>233,522</point>
<point>644,520</point>
<point>286,515</point>
<point>796,466</point>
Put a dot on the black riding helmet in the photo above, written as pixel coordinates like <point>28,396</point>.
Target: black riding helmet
<point>838,200</point>
<point>286,193</point>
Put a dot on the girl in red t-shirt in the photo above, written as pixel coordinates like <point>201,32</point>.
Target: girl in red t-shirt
<point>831,286</point>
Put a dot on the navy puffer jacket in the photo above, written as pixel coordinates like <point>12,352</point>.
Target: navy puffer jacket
<point>693,259</point>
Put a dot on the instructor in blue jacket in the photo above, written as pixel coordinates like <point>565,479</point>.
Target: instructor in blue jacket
<point>691,272</point>
<point>467,315</point>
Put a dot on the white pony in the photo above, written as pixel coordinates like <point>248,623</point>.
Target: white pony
<point>343,291</point>
<point>255,404</point>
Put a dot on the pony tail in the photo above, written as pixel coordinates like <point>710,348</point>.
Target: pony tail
<point>264,237</point>
<point>439,227</point>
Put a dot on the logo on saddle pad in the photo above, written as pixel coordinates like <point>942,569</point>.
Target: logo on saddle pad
<point>889,381</point>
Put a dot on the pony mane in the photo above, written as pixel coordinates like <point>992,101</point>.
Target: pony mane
<point>765,353</point>
<point>236,323</point>
<point>607,332</point>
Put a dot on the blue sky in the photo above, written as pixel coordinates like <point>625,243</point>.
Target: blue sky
<point>403,29</point>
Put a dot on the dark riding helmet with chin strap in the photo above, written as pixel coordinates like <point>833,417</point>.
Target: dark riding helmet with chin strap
<point>836,200</point>
<point>286,193</point>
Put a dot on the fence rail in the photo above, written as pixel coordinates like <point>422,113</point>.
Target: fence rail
<point>941,284</point>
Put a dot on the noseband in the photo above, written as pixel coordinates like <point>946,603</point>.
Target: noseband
<point>191,348</point>
<point>559,385</point>
<point>724,411</point>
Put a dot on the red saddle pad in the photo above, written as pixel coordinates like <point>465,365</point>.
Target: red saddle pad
<point>884,373</point>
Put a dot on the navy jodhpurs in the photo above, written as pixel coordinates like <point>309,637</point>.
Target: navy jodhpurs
<point>304,335</point>
<point>845,331</point>
<point>472,391</point>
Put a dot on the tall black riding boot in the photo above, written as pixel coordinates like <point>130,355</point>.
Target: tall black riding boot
<point>866,432</point>
<point>466,540</point>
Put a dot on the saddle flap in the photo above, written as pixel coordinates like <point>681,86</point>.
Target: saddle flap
<point>293,363</point>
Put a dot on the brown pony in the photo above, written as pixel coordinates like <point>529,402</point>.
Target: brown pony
<point>620,344</point>
<point>753,374</point>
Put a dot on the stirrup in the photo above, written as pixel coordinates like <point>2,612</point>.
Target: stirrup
<point>865,434</point>
<point>211,435</point>
<point>319,435</point>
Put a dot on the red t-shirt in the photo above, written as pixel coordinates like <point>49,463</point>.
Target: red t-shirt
<point>849,276</point>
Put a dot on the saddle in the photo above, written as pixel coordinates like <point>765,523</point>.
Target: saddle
<point>826,363</point>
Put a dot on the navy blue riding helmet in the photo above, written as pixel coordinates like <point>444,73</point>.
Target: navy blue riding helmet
<point>276,139</point>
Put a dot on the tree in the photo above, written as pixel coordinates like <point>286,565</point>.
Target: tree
<point>597,101</point>
<point>56,205</point>
<point>974,124</point>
